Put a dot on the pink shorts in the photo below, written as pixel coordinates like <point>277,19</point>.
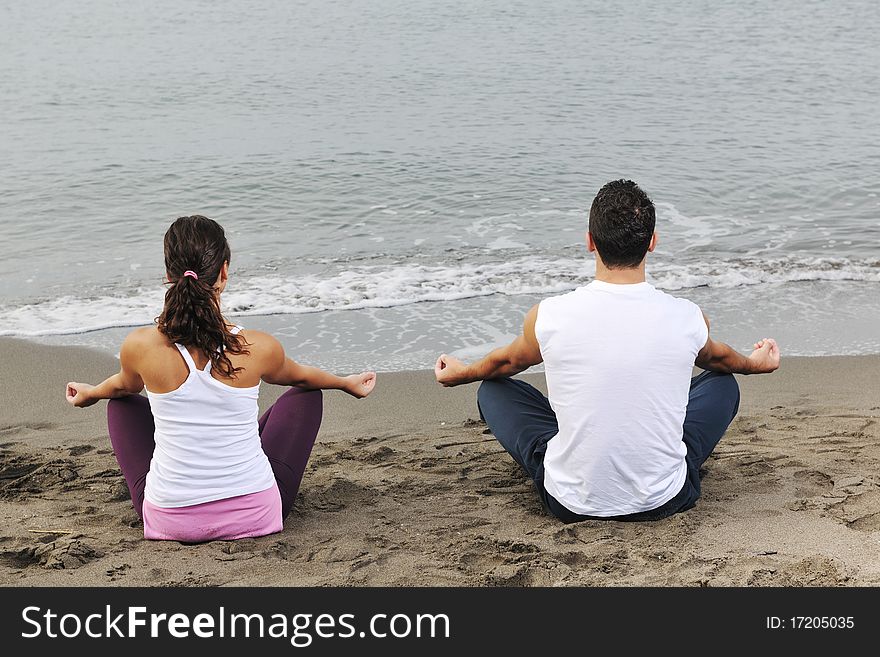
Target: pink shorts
<point>254,514</point>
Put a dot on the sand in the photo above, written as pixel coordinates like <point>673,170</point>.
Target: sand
<point>406,488</point>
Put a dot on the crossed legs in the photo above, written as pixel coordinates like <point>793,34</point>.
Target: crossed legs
<point>287,431</point>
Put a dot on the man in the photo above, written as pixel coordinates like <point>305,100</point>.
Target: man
<point>626,428</point>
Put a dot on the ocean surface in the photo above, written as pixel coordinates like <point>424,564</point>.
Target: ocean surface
<point>399,179</point>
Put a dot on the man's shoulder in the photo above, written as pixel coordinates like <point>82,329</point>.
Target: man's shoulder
<point>680,302</point>
<point>562,298</point>
<point>549,304</point>
<point>684,314</point>
<point>555,310</point>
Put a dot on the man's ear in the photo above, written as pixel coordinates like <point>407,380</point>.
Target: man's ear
<point>591,245</point>
<point>653,244</point>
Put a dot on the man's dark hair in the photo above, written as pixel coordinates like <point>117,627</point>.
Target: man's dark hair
<point>622,223</point>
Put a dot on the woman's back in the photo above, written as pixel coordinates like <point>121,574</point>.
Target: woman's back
<point>164,368</point>
<point>207,439</point>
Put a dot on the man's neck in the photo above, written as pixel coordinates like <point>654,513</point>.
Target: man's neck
<point>620,276</point>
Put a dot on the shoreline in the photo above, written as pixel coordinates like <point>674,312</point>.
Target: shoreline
<point>404,488</point>
<point>473,326</point>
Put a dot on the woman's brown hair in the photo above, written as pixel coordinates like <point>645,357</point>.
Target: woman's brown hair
<point>191,316</point>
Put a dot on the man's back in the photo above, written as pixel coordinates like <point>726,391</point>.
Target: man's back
<point>618,364</point>
<point>626,428</point>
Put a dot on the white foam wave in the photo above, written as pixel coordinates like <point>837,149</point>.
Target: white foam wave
<point>384,286</point>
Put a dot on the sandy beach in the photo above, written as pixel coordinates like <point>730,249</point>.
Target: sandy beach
<point>406,488</point>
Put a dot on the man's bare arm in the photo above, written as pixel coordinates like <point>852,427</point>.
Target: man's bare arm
<point>512,359</point>
<point>720,357</point>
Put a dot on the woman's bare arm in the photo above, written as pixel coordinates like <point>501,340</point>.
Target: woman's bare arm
<point>125,382</point>
<point>284,371</point>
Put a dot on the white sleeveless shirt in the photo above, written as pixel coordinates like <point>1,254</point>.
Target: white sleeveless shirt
<point>618,362</point>
<point>207,442</point>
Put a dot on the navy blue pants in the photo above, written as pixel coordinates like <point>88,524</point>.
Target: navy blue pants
<point>523,422</point>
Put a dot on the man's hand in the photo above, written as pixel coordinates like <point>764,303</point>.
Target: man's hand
<point>512,359</point>
<point>450,371</point>
<point>719,357</point>
<point>79,394</point>
<point>765,358</point>
<point>360,385</point>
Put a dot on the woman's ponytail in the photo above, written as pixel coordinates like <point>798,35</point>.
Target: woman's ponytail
<point>195,252</point>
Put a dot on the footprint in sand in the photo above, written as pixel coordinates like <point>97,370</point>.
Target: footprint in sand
<point>338,495</point>
<point>860,512</point>
<point>280,550</point>
<point>118,491</point>
<point>22,474</point>
<point>15,467</point>
<point>810,483</point>
<point>13,429</point>
<point>240,550</point>
<point>380,455</point>
<point>60,554</point>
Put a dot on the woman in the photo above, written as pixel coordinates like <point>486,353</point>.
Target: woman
<point>198,463</point>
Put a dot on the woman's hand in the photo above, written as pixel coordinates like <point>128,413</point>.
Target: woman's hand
<point>360,385</point>
<point>80,394</point>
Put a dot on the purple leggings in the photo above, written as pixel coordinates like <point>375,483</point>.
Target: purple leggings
<point>287,431</point>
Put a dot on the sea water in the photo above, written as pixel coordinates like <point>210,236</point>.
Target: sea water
<point>398,179</point>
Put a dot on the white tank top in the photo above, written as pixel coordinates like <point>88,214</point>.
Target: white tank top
<point>618,363</point>
<point>207,442</point>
